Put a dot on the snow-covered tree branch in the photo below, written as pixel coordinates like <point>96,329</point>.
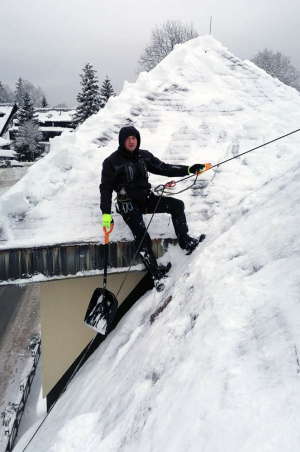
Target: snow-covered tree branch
<point>278,66</point>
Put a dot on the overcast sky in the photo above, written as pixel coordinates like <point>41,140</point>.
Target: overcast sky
<point>48,42</point>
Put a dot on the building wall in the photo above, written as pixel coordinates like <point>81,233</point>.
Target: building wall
<point>63,307</point>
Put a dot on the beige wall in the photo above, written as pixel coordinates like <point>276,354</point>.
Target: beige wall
<point>63,307</point>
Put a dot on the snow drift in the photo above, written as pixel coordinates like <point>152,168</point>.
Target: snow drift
<point>219,369</point>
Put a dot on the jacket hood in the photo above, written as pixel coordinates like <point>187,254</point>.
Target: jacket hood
<point>124,133</point>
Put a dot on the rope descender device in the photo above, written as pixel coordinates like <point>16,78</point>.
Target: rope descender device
<point>163,188</point>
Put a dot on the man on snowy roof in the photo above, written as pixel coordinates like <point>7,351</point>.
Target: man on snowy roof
<point>125,171</point>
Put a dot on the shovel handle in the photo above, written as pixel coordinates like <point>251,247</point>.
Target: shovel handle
<point>107,232</point>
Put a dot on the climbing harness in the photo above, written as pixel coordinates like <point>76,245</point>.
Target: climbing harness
<point>123,204</point>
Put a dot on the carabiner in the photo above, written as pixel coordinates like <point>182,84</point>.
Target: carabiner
<point>171,184</point>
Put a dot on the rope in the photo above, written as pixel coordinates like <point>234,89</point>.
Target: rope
<point>139,246</point>
<point>64,389</point>
<point>221,163</point>
<point>254,149</point>
<point>90,344</point>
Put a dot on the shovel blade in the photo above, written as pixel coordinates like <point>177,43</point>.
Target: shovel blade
<point>101,310</point>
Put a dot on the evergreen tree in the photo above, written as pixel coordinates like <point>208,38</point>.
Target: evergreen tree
<point>28,135</point>
<point>19,92</point>
<point>89,101</point>
<point>106,91</point>
<point>4,96</point>
<point>44,102</point>
<point>26,110</point>
<point>27,141</point>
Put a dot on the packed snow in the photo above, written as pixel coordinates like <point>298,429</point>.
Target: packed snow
<point>218,370</point>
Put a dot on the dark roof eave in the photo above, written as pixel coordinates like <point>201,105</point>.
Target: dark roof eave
<point>67,260</point>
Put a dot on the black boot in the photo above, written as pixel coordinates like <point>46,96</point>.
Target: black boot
<point>189,243</point>
<point>150,263</point>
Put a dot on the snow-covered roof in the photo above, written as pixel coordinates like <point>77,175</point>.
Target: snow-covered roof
<point>54,129</point>
<point>4,142</point>
<point>54,115</point>
<point>6,152</point>
<point>200,104</point>
<point>218,369</point>
<point>5,111</point>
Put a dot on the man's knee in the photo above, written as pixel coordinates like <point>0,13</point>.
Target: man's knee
<point>177,207</point>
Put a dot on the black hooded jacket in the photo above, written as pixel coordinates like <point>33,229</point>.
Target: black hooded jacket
<point>129,170</point>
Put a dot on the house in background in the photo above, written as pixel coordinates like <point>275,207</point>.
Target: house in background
<point>4,144</point>
<point>6,156</point>
<point>52,122</point>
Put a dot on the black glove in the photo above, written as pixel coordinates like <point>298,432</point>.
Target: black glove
<point>196,169</point>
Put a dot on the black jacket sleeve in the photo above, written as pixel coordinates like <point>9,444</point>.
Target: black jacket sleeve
<point>156,166</point>
<point>108,184</point>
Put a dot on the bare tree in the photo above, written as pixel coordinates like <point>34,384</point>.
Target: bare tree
<point>36,94</point>
<point>10,93</point>
<point>278,66</point>
<point>4,94</point>
<point>162,42</point>
<point>25,86</point>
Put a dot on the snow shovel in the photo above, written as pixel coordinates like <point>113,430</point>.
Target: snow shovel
<point>103,305</point>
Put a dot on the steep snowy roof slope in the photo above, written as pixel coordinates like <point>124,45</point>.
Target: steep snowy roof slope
<point>219,369</point>
<point>200,104</point>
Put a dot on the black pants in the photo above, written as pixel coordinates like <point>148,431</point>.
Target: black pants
<point>134,218</point>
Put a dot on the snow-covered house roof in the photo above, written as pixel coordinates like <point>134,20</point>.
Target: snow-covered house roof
<point>54,114</point>
<point>6,113</point>
<point>218,369</point>
<point>6,153</point>
<point>200,104</point>
<point>4,142</point>
<point>55,118</point>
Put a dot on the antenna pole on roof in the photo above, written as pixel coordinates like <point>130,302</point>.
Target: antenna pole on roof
<point>210,25</point>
